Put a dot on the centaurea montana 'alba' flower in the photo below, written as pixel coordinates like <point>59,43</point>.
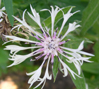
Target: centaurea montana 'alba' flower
<point>48,45</point>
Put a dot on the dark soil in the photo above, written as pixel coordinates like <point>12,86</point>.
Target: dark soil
<point>20,80</point>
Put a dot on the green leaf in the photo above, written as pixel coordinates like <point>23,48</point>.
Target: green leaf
<point>91,67</point>
<point>3,56</point>
<point>55,68</point>
<point>96,50</point>
<point>3,60</point>
<point>9,10</point>
<point>93,82</point>
<point>90,15</point>
<point>79,82</point>
<point>95,28</point>
<point>58,17</point>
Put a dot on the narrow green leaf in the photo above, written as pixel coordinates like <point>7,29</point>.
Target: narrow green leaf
<point>3,56</point>
<point>3,60</point>
<point>91,67</point>
<point>90,15</point>
<point>96,50</point>
<point>9,10</point>
<point>55,68</point>
<point>58,17</point>
<point>79,82</point>
<point>95,28</point>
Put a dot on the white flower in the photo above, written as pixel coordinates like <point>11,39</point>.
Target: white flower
<point>1,12</point>
<point>48,45</point>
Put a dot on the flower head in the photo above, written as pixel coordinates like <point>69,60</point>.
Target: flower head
<point>48,45</point>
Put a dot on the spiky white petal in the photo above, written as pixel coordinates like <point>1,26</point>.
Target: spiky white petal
<point>65,68</point>
<point>17,26</point>
<point>35,75</point>
<point>23,23</point>
<point>15,48</point>
<point>46,76</point>
<point>72,26</point>
<point>35,16</point>
<point>1,12</point>
<point>19,59</point>
<point>78,50</point>
<point>86,86</point>
<point>66,17</point>
<point>53,15</point>
<point>14,38</point>
<point>1,20</point>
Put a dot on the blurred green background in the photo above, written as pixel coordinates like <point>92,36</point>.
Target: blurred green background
<point>88,17</point>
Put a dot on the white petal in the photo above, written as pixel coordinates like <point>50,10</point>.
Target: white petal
<point>81,46</point>
<point>33,11</point>
<point>23,16</point>
<point>72,26</point>
<point>36,16</point>
<point>18,19</point>
<point>1,20</point>
<point>65,68</point>
<point>3,8</point>
<point>66,17</point>
<point>86,86</point>
<point>45,10</point>
<point>19,59</point>
<point>35,75</point>
<point>85,53</point>
<point>15,48</point>
<point>46,76</point>
<point>17,26</point>
<point>22,22</point>
<point>77,65</point>
<point>69,49</point>
<point>14,38</point>
<point>53,15</point>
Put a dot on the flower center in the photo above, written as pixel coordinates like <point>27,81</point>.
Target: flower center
<point>51,45</point>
